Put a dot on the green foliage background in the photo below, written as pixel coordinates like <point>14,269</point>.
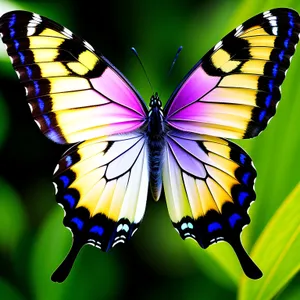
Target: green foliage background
<point>156,264</point>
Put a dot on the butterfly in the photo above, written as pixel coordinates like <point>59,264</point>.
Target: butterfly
<point>121,148</point>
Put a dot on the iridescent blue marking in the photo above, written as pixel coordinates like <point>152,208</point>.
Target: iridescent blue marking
<point>68,161</point>
<point>65,179</point>
<point>275,70</point>
<point>286,42</point>
<point>16,44</point>
<point>246,177</point>
<point>12,32</point>
<point>36,87</point>
<point>271,82</point>
<point>262,115</point>
<point>47,120</point>
<point>214,226</point>
<point>78,222</point>
<point>12,21</point>
<point>268,100</point>
<point>291,19</point>
<point>97,229</point>
<point>233,218</point>
<point>242,158</point>
<point>29,72</point>
<point>52,135</point>
<point>281,54</point>
<point>41,104</point>
<point>22,57</point>
<point>242,197</point>
<point>70,199</point>
<point>290,32</point>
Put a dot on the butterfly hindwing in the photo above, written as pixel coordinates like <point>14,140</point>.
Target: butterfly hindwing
<point>73,93</point>
<point>233,91</point>
<point>208,184</point>
<point>102,185</point>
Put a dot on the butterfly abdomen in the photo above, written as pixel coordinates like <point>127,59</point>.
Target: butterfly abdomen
<point>155,165</point>
<point>156,144</point>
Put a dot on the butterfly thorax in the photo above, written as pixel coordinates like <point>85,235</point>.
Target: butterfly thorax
<point>156,143</point>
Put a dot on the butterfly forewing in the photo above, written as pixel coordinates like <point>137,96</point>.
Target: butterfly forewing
<point>73,93</point>
<point>102,185</point>
<point>234,89</point>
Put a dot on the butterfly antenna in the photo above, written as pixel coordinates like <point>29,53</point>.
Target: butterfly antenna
<point>173,62</point>
<point>137,55</point>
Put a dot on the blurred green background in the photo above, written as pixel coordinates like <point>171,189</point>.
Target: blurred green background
<point>156,264</point>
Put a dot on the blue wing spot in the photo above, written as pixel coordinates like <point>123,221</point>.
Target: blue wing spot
<point>37,87</point>
<point>246,177</point>
<point>268,100</point>
<point>12,21</point>
<point>22,57</point>
<point>275,70</point>
<point>70,199</point>
<point>16,44</point>
<point>65,179</point>
<point>233,218</point>
<point>12,33</point>
<point>29,72</point>
<point>271,84</point>
<point>68,161</point>
<point>286,42</point>
<point>78,222</point>
<point>242,158</point>
<point>290,32</point>
<point>291,19</point>
<point>52,135</point>
<point>214,226</point>
<point>47,120</point>
<point>41,104</point>
<point>242,197</point>
<point>262,115</point>
<point>281,54</point>
<point>97,229</point>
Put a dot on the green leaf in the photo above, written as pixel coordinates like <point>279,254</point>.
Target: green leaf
<point>12,218</point>
<point>9,292</point>
<point>276,252</point>
<point>94,273</point>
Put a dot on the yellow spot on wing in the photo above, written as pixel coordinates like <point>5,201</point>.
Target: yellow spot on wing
<point>65,84</point>
<point>207,201</point>
<point>44,42</point>
<point>88,59</point>
<point>220,57</point>
<point>267,40</point>
<point>219,195</point>
<point>261,52</point>
<point>44,55</point>
<point>253,31</point>
<point>223,179</point>
<point>77,68</point>
<point>53,69</point>
<point>254,67</point>
<point>91,198</point>
<point>75,99</point>
<point>51,33</point>
<point>226,165</point>
<point>230,65</point>
<point>240,80</point>
<point>232,95</point>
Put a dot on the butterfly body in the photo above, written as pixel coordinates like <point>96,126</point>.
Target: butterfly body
<point>120,148</point>
<point>156,131</point>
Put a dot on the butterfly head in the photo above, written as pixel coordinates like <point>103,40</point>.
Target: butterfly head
<point>155,102</point>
